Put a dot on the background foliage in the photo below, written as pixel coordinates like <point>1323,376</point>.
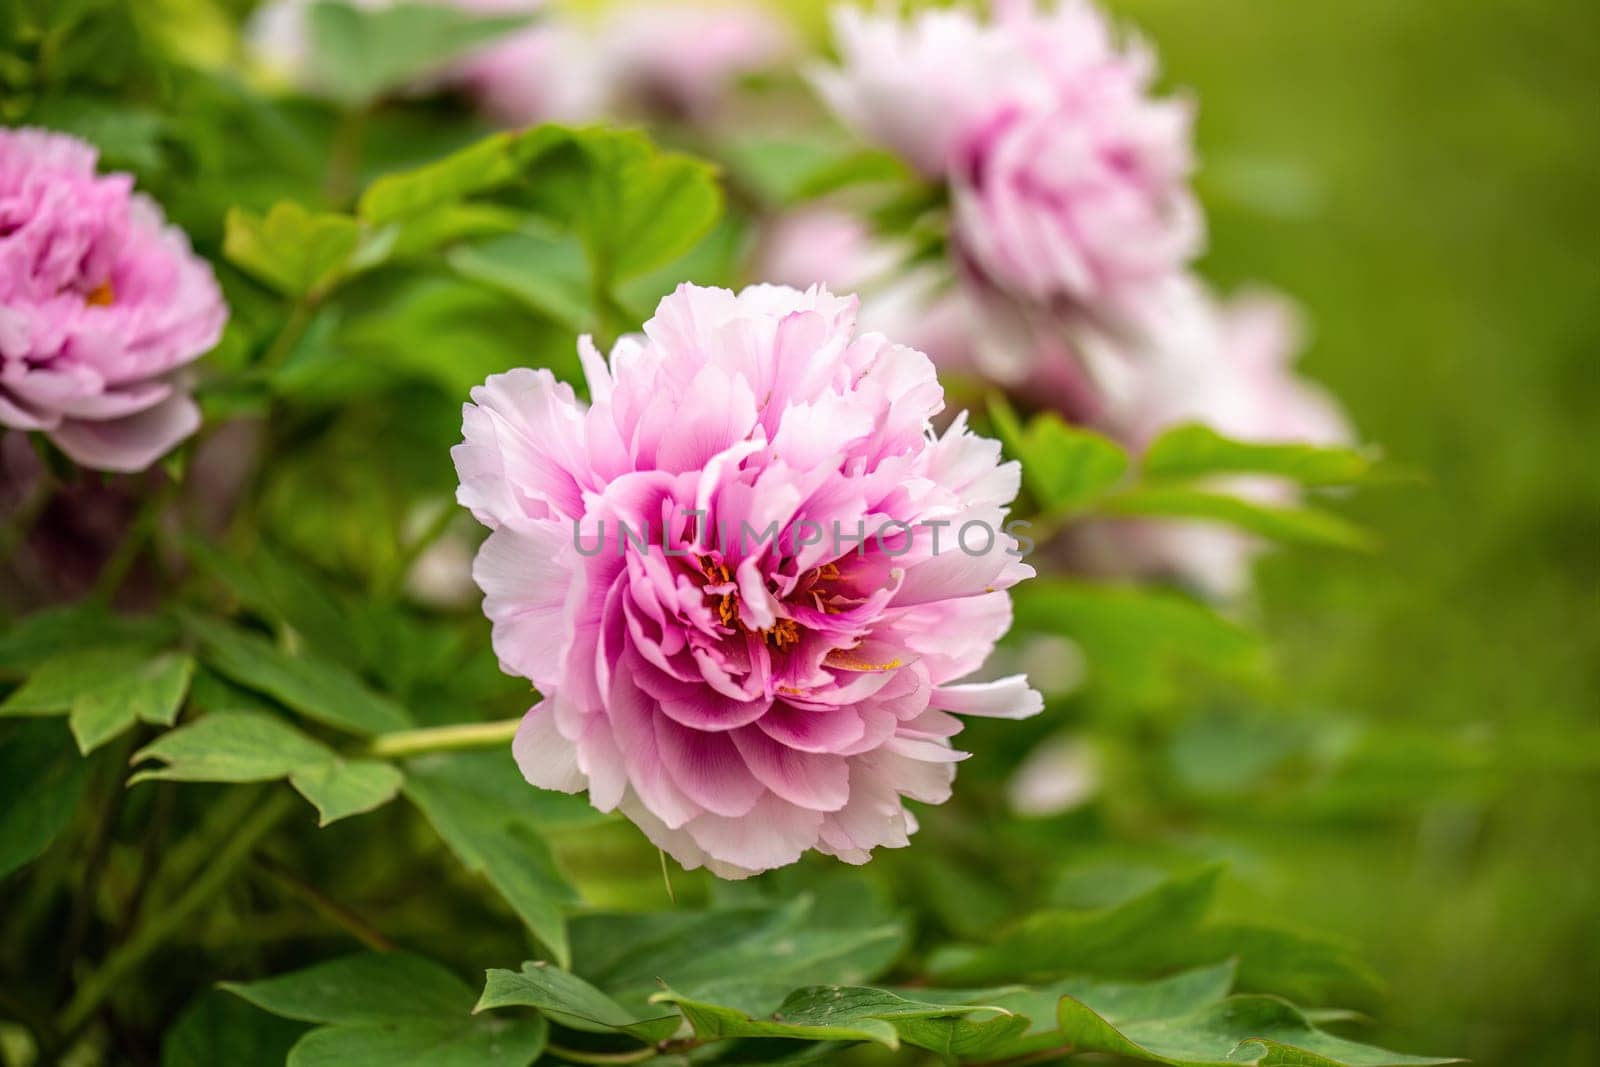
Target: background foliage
<point>1410,765</point>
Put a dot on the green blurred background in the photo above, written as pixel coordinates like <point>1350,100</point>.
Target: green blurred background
<point>1423,178</point>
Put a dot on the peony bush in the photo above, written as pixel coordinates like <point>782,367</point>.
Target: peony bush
<point>630,539</point>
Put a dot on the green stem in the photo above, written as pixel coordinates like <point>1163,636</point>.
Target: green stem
<point>418,545</point>
<point>406,743</point>
<point>126,958</point>
<point>133,543</point>
<point>344,157</point>
<point>580,1056</point>
<point>15,532</point>
<point>98,848</point>
<point>326,906</point>
<point>293,328</point>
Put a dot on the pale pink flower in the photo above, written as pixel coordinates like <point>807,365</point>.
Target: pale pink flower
<point>101,306</point>
<point>1069,181</point>
<point>964,324</point>
<point>548,71</point>
<point>749,683</point>
<point>684,58</point>
<point>1237,376</point>
<point>919,87</point>
<point>915,304</point>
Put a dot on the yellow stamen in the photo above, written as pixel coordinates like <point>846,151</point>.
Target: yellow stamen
<point>784,634</point>
<point>100,296</point>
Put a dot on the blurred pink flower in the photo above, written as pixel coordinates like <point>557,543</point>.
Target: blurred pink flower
<point>101,304</point>
<point>965,325</point>
<point>745,684</point>
<point>546,72</point>
<point>549,72</point>
<point>1069,181</point>
<point>683,58</point>
<point>1237,376</point>
<point>819,245</point>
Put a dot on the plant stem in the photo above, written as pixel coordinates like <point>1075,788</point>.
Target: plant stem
<point>28,511</point>
<point>326,906</point>
<point>293,328</point>
<point>133,543</point>
<point>127,957</point>
<point>471,735</point>
<point>579,1056</point>
<point>344,157</point>
<point>149,852</point>
<point>411,552</point>
<point>98,848</point>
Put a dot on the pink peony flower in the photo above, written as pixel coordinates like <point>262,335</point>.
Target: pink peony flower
<point>683,58</point>
<point>549,72</point>
<point>1068,180</point>
<point>825,246</point>
<point>546,72</point>
<point>966,326</point>
<point>1236,375</point>
<point>676,568</point>
<point>101,304</point>
<point>1238,378</point>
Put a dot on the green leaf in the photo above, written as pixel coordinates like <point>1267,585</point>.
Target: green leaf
<point>324,691</point>
<point>1104,941</point>
<point>856,1013</point>
<point>291,249</point>
<point>497,840</point>
<point>1239,1030</point>
<point>219,1029</point>
<point>1140,643</point>
<point>1065,468</point>
<point>362,989</point>
<point>359,53</point>
<point>388,1009</point>
<point>865,166</point>
<point>104,690</point>
<point>340,788</point>
<point>634,206</point>
<point>1289,524</point>
<point>1117,1002</point>
<point>283,591</point>
<point>420,235</point>
<point>27,643</point>
<point>569,1000</point>
<point>547,273</point>
<point>152,692</point>
<point>480,167</point>
<point>1175,994</point>
<point>245,746</point>
<point>230,746</point>
<point>488,1042</point>
<point>41,782</point>
<point>712,1022</point>
<point>747,959</point>
<point>783,170</point>
<point>1197,451</point>
<point>1303,966</point>
<point>125,134</point>
<point>55,683</point>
